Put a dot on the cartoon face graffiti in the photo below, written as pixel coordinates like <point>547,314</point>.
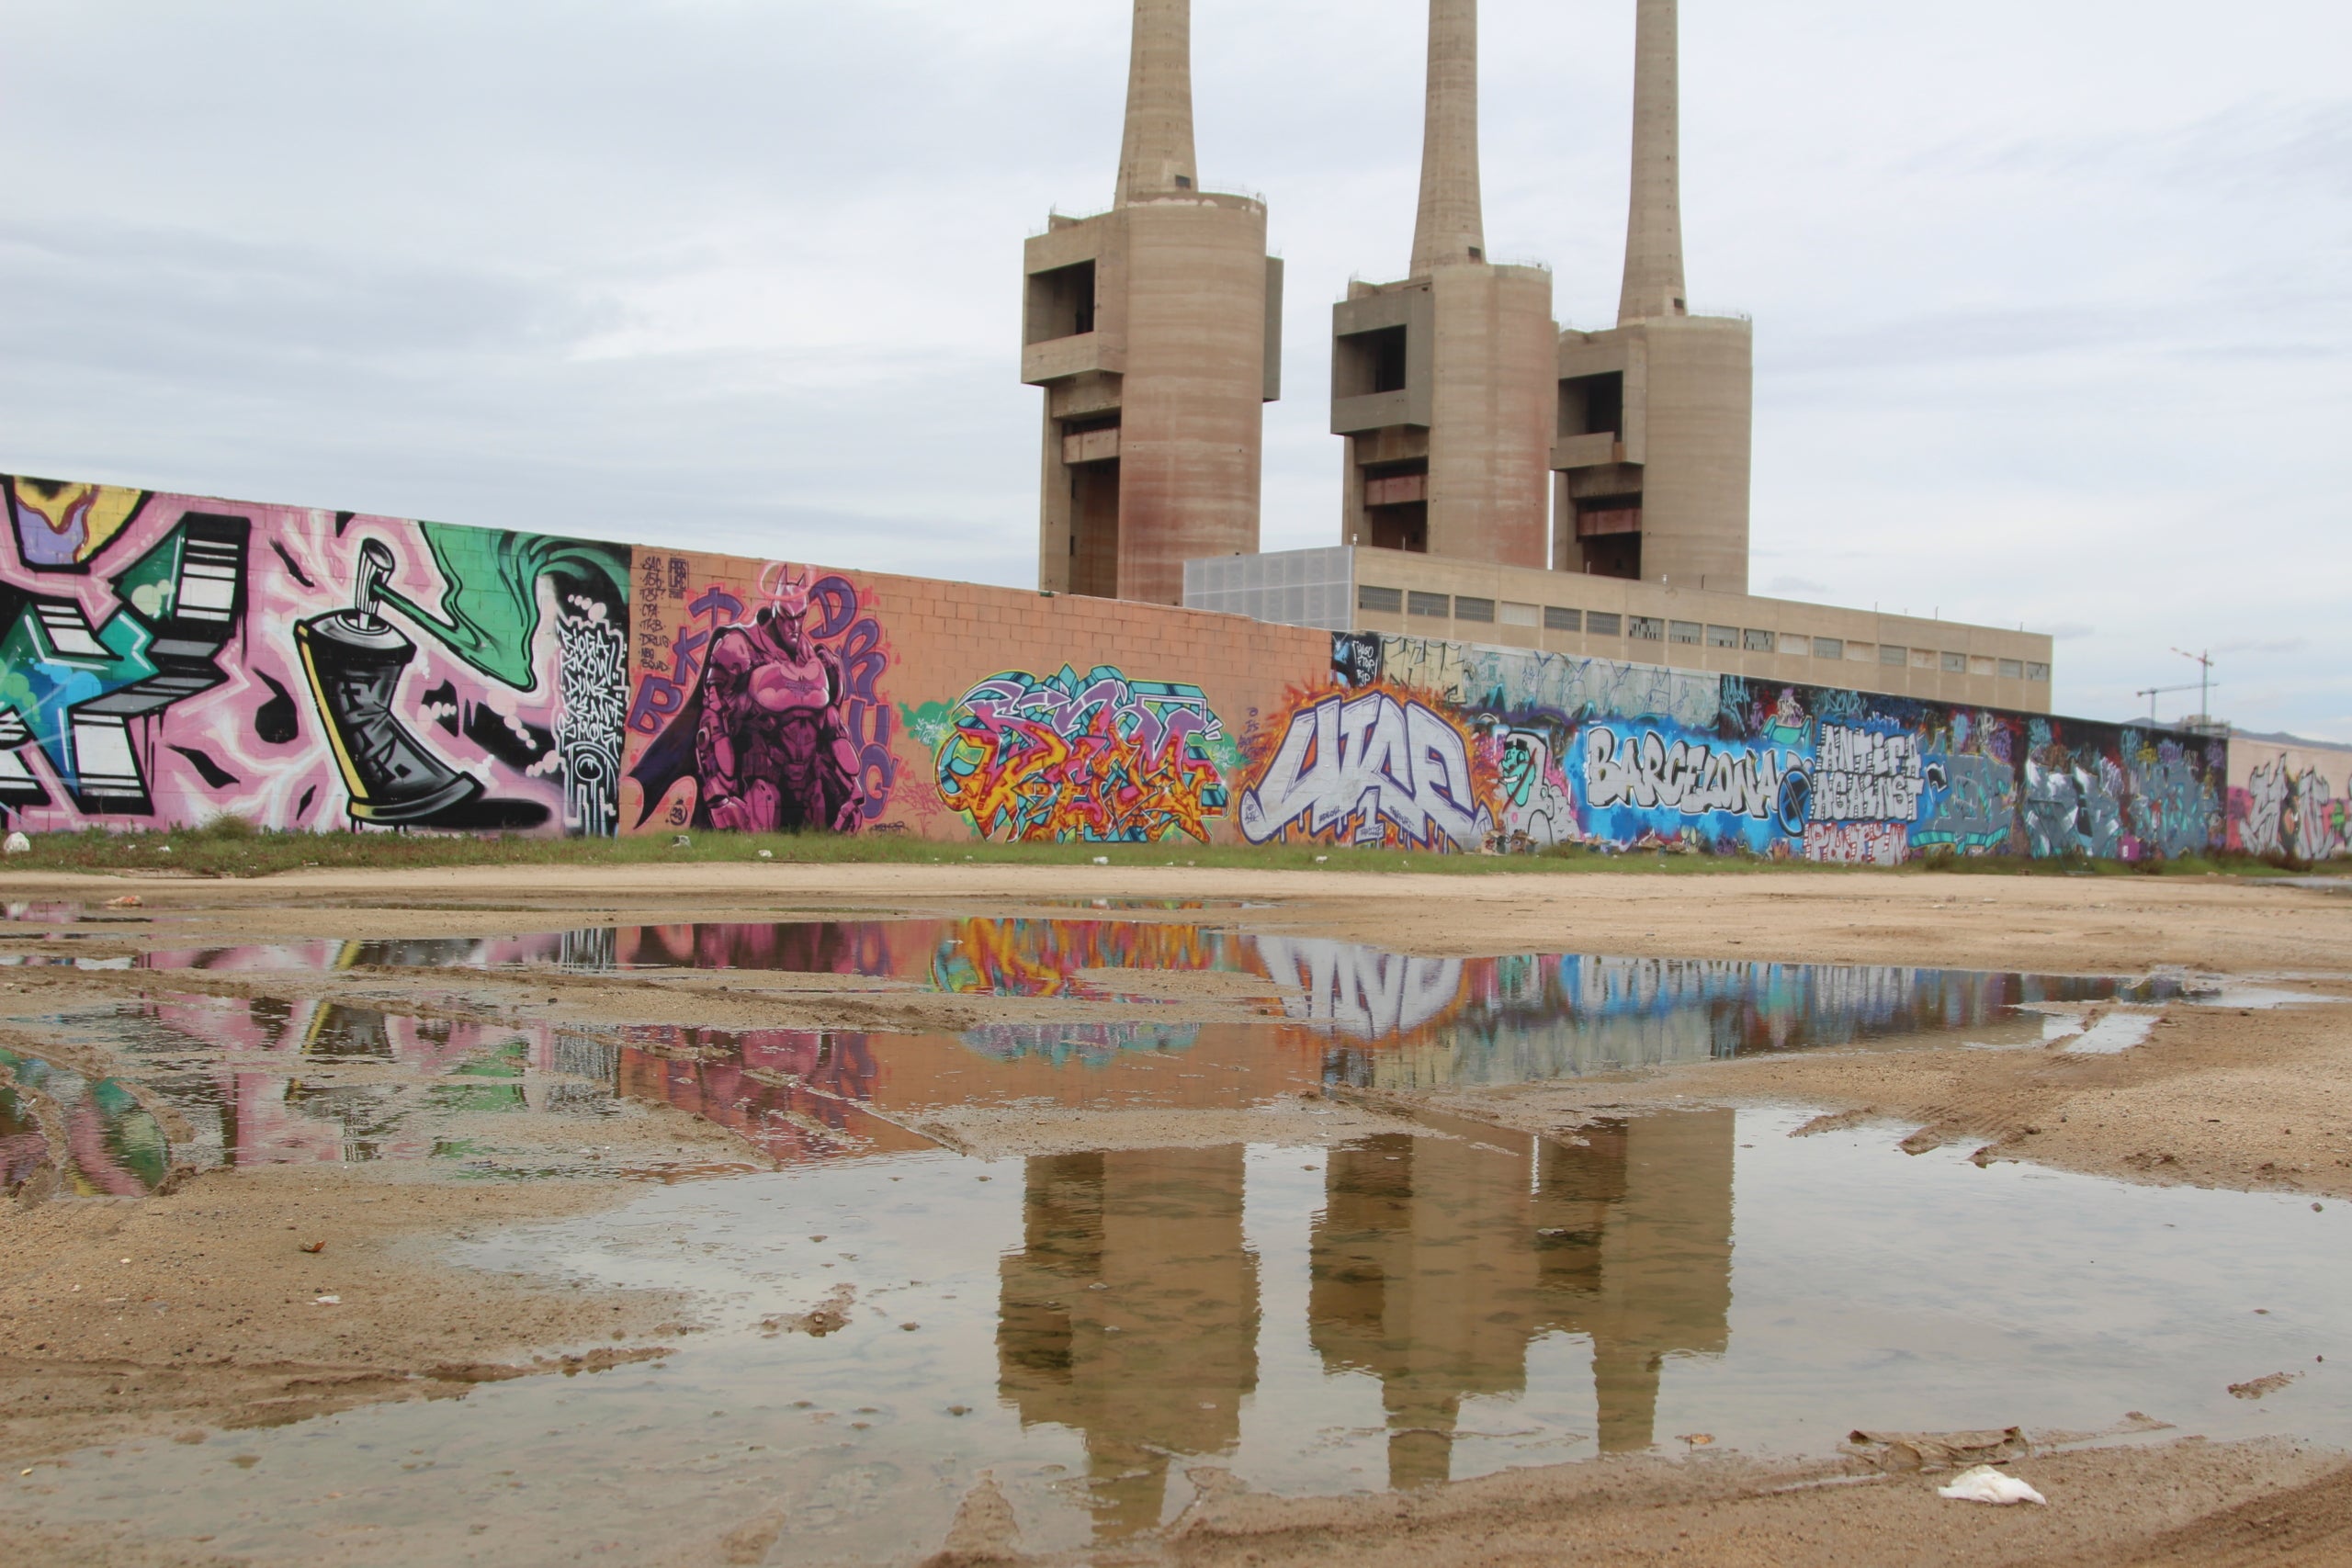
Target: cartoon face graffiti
<point>772,749</point>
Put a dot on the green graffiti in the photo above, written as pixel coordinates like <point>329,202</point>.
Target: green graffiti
<point>930,723</point>
<point>489,618</point>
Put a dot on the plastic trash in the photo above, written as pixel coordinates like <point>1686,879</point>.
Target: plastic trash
<point>20,845</point>
<point>1101,860</point>
<point>767,854</point>
<point>1986,1484</point>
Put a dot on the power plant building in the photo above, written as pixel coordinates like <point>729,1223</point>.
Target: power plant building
<point>1503,481</point>
<point>1156,331</point>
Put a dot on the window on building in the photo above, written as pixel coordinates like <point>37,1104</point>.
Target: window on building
<point>1955,664</point>
<point>1757,641</point>
<point>1469,609</point>
<point>1722,636</point>
<point>1520,615</point>
<point>1381,601</point>
<point>1601,623</point>
<point>1828,647</point>
<point>1433,605</point>
<point>1923,658</point>
<point>1649,628</point>
<point>2034,671</point>
<point>1558,620</point>
<point>1793,644</point>
<point>2012,670</point>
<point>1890,654</point>
<point>1978,664</point>
<point>1682,631</point>
<point>1860,652</point>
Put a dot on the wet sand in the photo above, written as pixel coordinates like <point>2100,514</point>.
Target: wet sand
<point>214,1321</point>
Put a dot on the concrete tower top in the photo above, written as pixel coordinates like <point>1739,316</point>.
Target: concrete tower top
<point>1451,228</point>
<point>1654,285</point>
<point>1156,157</point>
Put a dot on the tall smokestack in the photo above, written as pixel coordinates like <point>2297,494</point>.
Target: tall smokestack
<point>1451,228</point>
<point>1156,156</point>
<point>1654,285</point>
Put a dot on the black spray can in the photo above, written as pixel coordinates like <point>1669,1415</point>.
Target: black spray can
<point>354,659</point>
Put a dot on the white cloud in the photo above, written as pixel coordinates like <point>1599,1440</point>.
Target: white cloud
<point>2053,335</point>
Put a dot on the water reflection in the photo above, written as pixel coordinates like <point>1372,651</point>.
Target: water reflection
<point>1437,1263</point>
<point>1130,1314</point>
<point>1407,1309</point>
<point>1131,1311</point>
<point>275,1080</point>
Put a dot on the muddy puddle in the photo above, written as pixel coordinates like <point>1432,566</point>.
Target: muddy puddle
<point>1091,1330</point>
<point>1202,1017</point>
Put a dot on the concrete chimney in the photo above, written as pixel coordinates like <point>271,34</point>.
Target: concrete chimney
<point>1156,331</point>
<point>1451,228</point>
<point>1654,286</point>
<point>1156,155</point>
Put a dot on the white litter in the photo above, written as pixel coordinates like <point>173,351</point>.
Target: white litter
<point>1986,1484</point>
<point>767,854</point>
<point>1101,860</point>
<point>328,1301</point>
<point>20,845</point>
<point>2114,1034</point>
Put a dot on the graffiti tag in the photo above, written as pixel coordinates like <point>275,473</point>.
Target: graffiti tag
<point>1370,770</point>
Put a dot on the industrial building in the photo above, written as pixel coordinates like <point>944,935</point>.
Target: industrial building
<point>1156,331</point>
<point>1502,481</point>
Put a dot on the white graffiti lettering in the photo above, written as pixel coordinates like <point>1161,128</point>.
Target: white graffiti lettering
<point>594,683</point>
<point>1361,990</point>
<point>1653,773</point>
<point>1865,775</point>
<point>1362,767</point>
<point>1857,843</point>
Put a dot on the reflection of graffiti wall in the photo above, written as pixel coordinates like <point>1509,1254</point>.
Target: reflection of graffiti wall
<point>2290,800</point>
<point>168,659</point>
<point>1098,756</point>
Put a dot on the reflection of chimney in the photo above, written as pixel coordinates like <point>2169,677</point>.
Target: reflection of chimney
<point>1653,283</point>
<point>1664,1266</point>
<point>1131,1315</point>
<point>1156,155</point>
<point>1435,1265</point>
<point>1449,227</point>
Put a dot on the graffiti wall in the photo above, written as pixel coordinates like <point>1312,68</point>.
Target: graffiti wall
<point>755,701</point>
<point>168,659</point>
<point>2290,800</point>
<point>1098,756</point>
<point>1571,751</point>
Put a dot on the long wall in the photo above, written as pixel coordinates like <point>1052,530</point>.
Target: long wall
<point>165,659</point>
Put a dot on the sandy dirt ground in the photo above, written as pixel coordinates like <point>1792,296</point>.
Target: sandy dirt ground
<point>198,1310</point>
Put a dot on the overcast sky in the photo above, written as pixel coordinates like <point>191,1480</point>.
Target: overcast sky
<point>2053,307</point>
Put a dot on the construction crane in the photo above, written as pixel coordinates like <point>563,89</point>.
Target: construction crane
<point>2204,662</point>
<point>2153,693</point>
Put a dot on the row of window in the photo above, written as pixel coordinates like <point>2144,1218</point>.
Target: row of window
<point>1653,628</point>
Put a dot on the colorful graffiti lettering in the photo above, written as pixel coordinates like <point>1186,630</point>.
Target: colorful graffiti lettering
<point>1371,767</point>
<point>2286,808</point>
<point>764,711</point>
<point>1041,759</point>
<point>1652,770</point>
<point>1978,810</point>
